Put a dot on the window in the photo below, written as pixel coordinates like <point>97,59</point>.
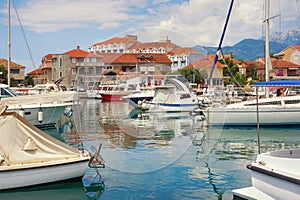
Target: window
<point>60,62</point>
<point>98,70</point>
<point>93,60</point>
<point>15,71</point>
<point>81,71</point>
<point>73,60</point>
<point>90,70</point>
<point>60,74</point>
<point>107,67</point>
<point>73,71</point>
<point>87,60</point>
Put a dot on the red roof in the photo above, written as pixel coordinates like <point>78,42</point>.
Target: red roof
<point>142,58</point>
<point>185,50</point>
<point>4,62</point>
<point>206,61</point>
<point>78,53</point>
<point>278,63</point>
<point>48,57</point>
<point>37,71</point>
<point>296,47</point>
<point>109,57</point>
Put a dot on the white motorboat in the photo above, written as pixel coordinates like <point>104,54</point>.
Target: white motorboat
<point>274,175</point>
<point>117,89</point>
<point>174,97</point>
<point>137,98</point>
<point>29,156</point>
<point>41,110</point>
<point>38,89</point>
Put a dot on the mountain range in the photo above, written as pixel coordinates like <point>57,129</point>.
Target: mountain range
<point>251,49</point>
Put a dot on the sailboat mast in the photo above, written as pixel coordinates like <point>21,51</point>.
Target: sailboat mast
<point>9,44</point>
<point>267,43</point>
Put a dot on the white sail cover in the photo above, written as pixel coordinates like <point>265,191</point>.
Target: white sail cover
<point>23,143</point>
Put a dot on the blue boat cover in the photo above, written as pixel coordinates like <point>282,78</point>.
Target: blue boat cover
<point>289,83</point>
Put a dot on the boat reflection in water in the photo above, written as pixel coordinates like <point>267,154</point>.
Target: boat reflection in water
<point>148,141</point>
<point>192,161</point>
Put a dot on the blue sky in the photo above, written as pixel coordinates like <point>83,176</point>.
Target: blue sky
<point>57,26</point>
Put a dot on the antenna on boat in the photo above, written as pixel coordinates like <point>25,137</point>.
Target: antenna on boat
<point>267,42</point>
<point>220,44</point>
<point>257,118</point>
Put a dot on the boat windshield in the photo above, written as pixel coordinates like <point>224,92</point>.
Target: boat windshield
<point>8,92</point>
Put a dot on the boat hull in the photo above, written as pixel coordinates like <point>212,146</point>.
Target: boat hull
<point>50,117</point>
<point>165,107</point>
<point>112,97</point>
<point>275,175</point>
<point>274,187</point>
<point>248,117</point>
<point>32,175</point>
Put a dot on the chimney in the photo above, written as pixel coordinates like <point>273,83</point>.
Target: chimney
<point>78,47</point>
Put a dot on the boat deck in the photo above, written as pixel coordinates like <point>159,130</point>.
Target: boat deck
<point>250,193</point>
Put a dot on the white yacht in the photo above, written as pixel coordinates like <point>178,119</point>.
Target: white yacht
<point>41,110</point>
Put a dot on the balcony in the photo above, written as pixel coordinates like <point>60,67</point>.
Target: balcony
<point>89,64</point>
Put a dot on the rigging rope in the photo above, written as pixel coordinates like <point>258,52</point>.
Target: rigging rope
<point>220,44</point>
<point>298,8</point>
<point>23,32</point>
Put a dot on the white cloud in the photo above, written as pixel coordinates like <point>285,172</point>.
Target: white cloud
<point>46,16</point>
<point>202,20</point>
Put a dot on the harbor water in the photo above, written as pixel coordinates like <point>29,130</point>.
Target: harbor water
<point>157,155</point>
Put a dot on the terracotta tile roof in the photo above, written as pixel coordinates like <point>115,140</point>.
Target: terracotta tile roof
<point>206,61</point>
<point>184,50</point>
<point>277,63</point>
<point>152,45</point>
<point>109,57</point>
<point>283,64</point>
<point>48,57</point>
<point>78,53</point>
<point>296,47</point>
<point>117,40</point>
<point>143,58</point>
<point>12,64</point>
<point>37,71</point>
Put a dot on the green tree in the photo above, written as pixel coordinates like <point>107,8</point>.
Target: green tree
<point>3,74</point>
<point>29,80</point>
<point>230,68</point>
<point>193,74</point>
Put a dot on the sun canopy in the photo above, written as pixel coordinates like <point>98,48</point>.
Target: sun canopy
<point>288,83</point>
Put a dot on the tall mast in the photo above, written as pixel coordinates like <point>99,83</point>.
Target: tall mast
<point>267,43</point>
<point>8,48</point>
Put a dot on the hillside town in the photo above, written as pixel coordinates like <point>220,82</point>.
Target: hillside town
<point>121,56</point>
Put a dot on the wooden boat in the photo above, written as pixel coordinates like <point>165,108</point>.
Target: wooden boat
<point>29,156</point>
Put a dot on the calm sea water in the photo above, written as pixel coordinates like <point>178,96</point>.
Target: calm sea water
<point>157,156</point>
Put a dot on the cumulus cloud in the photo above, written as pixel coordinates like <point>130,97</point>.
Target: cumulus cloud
<point>47,16</point>
<point>202,20</point>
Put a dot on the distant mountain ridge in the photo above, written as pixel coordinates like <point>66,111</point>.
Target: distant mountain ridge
<point>251,49</point>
